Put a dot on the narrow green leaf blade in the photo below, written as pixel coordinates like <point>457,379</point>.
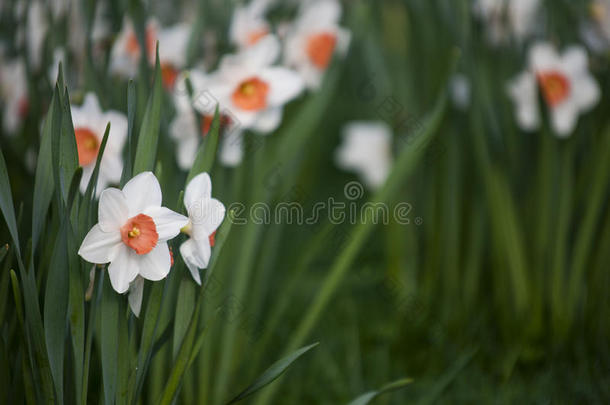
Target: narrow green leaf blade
<point>149,132</point>
<point>272,373</point>
<point>371,395</point>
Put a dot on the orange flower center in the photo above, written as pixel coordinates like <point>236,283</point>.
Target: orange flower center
<point>251,94</point>
<point>87,145</point>
<point>168,75</point>
<point>320,48</point>
<point>555,87</point>
<point>140,233</point>
<point>256,35</point>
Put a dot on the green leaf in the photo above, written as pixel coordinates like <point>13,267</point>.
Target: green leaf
<point>56,308</point>
<point>185,305</point>
<point>149,132</point>
<point>6,204</point>
<point>182,361</point>
<point>371,395</point>
<point>68,151</point>
<point>131,140</point>
<point>44,182</point>
<point>272,373</point>
<point>207,150</point>
<point>109,340</point>
<point>151,318</point>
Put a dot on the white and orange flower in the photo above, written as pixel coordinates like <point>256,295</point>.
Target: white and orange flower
<point>250,89</point>
<point>205,216</point>
<point>313,40</point>
<point>132,233</point>
<point>173,41</point>
<point>505,19</point>
<point>14,91</point>
<point>185,127</point>
<point>248,25</point>
<point>367,150</point>
<point>89,123</point>
<point>566,86</point>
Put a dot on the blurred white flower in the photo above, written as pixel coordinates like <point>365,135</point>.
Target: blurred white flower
<point>205,216</point>
<point>250,90</point>
<point>185,128</point>
<point>367,150</point>
<point>248,24</point>
<point>89,126</point>
<point>132,233</point>
<point>566,85</point>
<point>36,32</point>
<point>14,91</point>
<point>507,18</point>
<point>126,52</point>
<point>173,43</point>
<point>314,38</point>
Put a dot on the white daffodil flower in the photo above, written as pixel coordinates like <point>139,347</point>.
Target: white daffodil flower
<point>14,91</point>
<point>367,150</point>
<point>132,233</point>
<point>248,24</point>
<point>89,126</point>
<point>314,39</point>
<point>250,91</point>
<point>205,216</point>
<point>507,18</point>
<point>173,41</point>
<point>567,88</point>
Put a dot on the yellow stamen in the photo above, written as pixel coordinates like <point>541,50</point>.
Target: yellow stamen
<point>186,229</point>
<point>134,232</point>
<point>247,89</point>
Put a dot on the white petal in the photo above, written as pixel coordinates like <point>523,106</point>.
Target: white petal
<point>91,105</point>
<point>542,56</point>
<point>141,192</point>
<point>232,150</point>
<point>575,60</point>
<point>136,293</point>
<point>586,92</point>
<point>98,246</point>
<point>285,84</point>
<point>156,264</point>
<point>206,215</point>
<point>190,257</point>
<point>268,120</point>
<point>200,187</point>
<point>168,222</point>
<point>263,53</point>
<point>112,211</point>
<point>118,130</point>
<point>564,118</point>
<point>123,269</point>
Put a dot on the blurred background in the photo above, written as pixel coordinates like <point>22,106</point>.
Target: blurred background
<point>493,287</point>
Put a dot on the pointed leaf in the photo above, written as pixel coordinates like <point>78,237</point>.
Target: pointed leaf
<point>272,373</point>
